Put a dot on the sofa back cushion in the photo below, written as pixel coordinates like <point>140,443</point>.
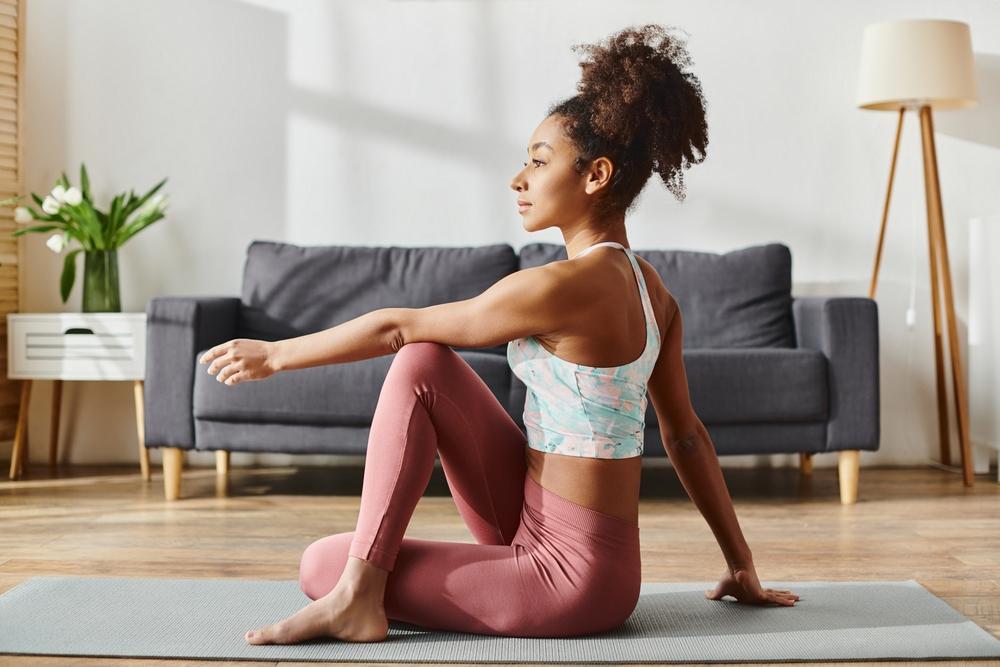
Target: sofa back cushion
<point>741,298</point>
<point>290,290</point>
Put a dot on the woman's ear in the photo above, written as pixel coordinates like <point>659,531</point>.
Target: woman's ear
<point>599,174</point>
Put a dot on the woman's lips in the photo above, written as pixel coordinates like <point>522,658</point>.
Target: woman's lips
<point>523,206</point>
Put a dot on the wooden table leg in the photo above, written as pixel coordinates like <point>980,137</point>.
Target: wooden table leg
<point>140,425</point>
<point>54,428</point>
<point>20,451</point>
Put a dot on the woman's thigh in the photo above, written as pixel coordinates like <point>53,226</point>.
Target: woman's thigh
<point>514,590</point>
<point>482,449</point>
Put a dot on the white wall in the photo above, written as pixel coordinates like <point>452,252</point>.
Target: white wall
<point>402,123</point>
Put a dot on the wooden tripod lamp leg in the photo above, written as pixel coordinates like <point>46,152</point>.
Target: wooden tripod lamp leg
<point>944,428</point>
<point>935,218</point>
<point>885,207</point>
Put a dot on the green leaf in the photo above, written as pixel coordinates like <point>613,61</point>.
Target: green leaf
<point>68,274</point>
<point>114,216</point>
<point>93,227</point>
<point>36,228</point>
<point>38,200</point>
<point>137,226</point>
<point>137,203</point>
<point>45,217</point>
<point>84,181</point>
<point>82,230</point>
<point>63,181</point>
<point>102,218</point>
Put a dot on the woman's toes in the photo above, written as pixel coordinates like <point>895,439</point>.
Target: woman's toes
<point>262,636</point>
<point>271,634</point>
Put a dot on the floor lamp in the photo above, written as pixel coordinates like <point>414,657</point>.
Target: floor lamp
<point>923,64</point>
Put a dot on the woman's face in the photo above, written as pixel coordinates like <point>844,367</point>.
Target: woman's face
<point>557,195</point>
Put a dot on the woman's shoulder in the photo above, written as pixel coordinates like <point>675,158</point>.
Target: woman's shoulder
<point>663,300</point>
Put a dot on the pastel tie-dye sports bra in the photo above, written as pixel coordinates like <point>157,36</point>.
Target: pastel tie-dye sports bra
<point>577,410</point>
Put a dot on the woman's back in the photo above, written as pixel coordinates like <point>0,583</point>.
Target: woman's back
<point>611,332</point>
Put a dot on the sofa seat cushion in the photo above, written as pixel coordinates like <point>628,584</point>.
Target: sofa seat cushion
<point>334,394</point>
<point>756,385</point>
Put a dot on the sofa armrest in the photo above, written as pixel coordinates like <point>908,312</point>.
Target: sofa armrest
<point>845,329</point>
<point>177,328</point>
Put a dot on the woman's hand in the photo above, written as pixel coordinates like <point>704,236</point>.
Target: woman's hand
<point>742,584</point>
<point>240,359</point>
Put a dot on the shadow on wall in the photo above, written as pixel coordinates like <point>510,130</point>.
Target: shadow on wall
<point>979,124</point>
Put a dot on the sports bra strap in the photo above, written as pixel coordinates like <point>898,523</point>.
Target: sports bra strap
<point>644,297</point>
<point>598,245</point>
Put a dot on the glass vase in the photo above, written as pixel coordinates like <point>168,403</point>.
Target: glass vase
<point>100,282</point>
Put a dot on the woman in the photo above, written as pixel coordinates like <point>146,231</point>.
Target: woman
<point>554,515</point>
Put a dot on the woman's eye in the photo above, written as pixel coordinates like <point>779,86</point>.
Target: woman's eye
<point>536,161</point>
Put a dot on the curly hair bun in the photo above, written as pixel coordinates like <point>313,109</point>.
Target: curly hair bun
<point>639,94</point>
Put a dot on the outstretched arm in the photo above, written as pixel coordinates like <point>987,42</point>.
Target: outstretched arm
<point>689,446</point>
<point>536,300</point>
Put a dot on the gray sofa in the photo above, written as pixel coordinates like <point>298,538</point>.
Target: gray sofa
<point>767,373</point>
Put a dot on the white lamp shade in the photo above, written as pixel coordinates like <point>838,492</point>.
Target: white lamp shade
<point>917,62</point>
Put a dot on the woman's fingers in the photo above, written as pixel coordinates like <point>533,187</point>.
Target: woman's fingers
<point>785,599</point>
<point>211,354</point>
<point>235,378</point>
<point>218,365</point>
<point>782,592</point>
<point>227,374</point>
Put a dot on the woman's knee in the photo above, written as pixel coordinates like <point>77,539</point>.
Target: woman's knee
<point>322,563</point>
<point>423,351</point>
<point>417,361</point>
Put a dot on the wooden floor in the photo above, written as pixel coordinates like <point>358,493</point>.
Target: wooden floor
<point>909,523</point>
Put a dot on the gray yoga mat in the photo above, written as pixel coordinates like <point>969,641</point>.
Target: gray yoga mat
<point>673,622</point>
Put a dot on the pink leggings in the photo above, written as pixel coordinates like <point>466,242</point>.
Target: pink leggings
<point>542,566</point>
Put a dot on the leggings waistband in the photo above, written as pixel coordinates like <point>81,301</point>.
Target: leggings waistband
<point>581,518</point>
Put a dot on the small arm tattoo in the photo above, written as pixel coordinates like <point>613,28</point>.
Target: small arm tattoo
<point>687,442</point>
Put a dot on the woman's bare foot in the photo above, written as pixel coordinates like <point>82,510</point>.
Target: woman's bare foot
<point>340,614</point>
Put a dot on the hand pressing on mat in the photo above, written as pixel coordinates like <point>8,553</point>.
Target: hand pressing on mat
<point>240,359</point>
<point>742,584</point>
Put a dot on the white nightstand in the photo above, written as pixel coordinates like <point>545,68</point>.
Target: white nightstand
<point>73,346</point>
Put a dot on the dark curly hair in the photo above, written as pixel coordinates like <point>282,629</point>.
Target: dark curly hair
<point>638,107</point>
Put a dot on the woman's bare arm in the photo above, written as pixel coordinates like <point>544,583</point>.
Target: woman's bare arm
<point>369,335</point>
<point>689,446</point>
<point>538,300</point>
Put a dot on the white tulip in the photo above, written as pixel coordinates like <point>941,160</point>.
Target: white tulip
<point>22,215</point>
<point>73,196</point>
<point>57,242</point>
<point>51,206</point>
<point>58,193</point>
<point>155,203</point>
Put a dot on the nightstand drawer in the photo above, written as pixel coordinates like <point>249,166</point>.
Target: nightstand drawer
<point>76,346</point>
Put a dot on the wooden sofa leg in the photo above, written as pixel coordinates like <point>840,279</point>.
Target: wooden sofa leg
<point>221,473</point>
<point>221,462</point>
<point>847,468</point>
<point>806,463</point>
<point>173,464</point>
